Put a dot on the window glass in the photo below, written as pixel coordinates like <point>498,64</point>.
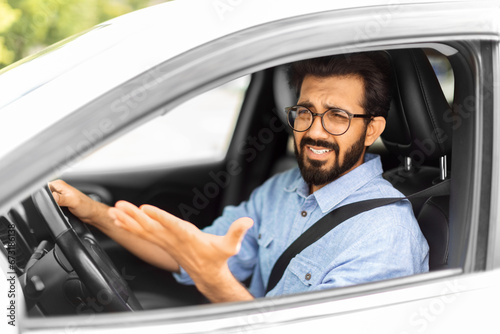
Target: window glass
<point>197,130</point>
<point>444,73</point>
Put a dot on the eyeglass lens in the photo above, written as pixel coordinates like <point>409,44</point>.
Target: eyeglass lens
<point>335,121</point>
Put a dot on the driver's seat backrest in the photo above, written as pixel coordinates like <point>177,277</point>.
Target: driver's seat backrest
<point>417,133</point>
<point>434,223</point>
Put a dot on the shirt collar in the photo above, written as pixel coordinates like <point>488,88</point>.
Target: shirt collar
<point>335,192</point>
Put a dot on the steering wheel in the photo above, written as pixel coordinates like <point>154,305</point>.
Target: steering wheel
<point>80,248</point>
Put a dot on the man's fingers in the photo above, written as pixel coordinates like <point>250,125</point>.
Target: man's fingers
<point>123,220</point>
<point>57,198</point>
<point>129,215</point>
<point>166,219</point>
<point>236,233</point>
<point>56,185</point>
<point>57,188</point>
<point>131,210</point>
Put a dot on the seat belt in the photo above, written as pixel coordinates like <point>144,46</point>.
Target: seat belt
<point>337,216</point>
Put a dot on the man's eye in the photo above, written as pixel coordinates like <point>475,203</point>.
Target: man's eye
<point>338,116</point>
<point>302,111</point>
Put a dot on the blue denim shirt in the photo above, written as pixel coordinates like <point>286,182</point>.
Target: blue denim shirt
<point>383,243</point>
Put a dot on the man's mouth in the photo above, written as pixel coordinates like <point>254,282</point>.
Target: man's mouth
<point>322,151</point>
<point>317,151</point>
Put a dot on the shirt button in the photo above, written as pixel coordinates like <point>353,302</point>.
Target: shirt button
<point>308,277</point>
<point>303,213</point>
<point>260,236</point>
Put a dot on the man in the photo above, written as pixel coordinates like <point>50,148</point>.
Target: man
<point>341,110</point>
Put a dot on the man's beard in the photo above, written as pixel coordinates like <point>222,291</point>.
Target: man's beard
<point>314,174</point>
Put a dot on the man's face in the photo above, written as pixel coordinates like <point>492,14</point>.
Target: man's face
<point>323,157</point>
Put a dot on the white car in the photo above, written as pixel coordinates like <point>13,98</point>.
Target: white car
<point>180,105</point>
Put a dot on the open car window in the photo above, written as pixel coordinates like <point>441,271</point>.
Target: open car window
<point>198,130</point>
<point>243,161</point>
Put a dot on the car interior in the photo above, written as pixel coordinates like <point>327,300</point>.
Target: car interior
<point>426,141</point>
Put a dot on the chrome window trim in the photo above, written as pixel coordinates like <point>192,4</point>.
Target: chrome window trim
<point>493,259</point>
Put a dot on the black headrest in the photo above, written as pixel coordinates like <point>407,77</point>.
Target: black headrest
<point>417,120</point>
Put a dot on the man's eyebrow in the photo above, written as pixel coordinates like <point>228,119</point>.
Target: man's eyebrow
<point>306,104</point>
<point>310,105</point>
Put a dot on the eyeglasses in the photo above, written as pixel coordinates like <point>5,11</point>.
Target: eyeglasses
<point>335,121</point>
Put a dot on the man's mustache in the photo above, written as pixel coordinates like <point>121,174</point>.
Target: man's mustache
<point>321,143</point>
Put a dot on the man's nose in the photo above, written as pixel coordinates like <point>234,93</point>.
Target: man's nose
<point>317,131</point>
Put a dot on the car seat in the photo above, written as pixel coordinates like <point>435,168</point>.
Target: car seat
<point>419,135</point>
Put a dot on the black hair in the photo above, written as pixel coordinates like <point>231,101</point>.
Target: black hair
<point>373,67</point>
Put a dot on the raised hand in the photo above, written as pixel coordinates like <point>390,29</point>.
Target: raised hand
<point>204,256</point>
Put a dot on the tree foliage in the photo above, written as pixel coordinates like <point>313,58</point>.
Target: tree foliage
<point>27,26</point>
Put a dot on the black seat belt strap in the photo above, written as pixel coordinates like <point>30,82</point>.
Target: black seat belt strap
<point>334,218</point>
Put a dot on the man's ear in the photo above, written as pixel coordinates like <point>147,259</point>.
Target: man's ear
<point>374,130</point>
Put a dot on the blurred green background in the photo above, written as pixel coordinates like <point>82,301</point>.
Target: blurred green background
<point>27,26</point>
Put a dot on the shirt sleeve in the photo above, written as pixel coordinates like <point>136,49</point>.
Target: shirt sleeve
<point>243,263</point>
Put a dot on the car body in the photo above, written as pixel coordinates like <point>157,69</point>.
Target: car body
<point>87,91</point>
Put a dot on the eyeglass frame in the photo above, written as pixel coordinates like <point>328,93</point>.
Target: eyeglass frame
<point>351,116</point>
